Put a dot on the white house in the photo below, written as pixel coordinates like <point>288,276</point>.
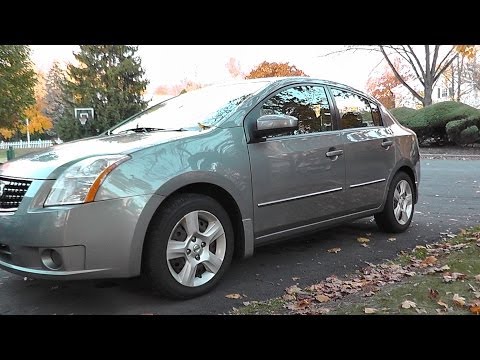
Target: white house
<point>470,95</point>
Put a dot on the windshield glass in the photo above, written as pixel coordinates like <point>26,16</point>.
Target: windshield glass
<point>194,110</point>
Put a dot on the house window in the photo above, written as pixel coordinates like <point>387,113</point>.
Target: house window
<point>438,96</point>
<point>444,92</point>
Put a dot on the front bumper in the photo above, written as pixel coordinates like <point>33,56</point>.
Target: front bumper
<point>95,240</point>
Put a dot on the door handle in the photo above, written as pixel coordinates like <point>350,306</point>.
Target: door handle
<point>333,153</point>
<point>387,143</point>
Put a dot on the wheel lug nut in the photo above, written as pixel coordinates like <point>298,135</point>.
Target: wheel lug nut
<point>189,251</point>
<point>204,244</point>
<point>197,257</point>
<point>194,239</point>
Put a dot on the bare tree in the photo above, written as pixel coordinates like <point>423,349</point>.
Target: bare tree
<point>425,62</point>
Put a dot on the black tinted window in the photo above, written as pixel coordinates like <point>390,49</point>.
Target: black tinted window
<point>308,104</point>
<point>355,111</point>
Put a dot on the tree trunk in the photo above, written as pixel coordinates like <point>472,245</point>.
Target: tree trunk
<point>459,80</point>
<point>427,98</point>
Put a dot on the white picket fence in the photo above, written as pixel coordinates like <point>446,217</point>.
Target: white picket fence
<point>26,144</point>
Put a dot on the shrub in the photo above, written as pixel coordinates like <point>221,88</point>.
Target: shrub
<point>470,135</point>
<point>429,123</point>
<point>464,131</point>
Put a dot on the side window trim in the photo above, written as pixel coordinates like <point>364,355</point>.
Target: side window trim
<point>353,91</point>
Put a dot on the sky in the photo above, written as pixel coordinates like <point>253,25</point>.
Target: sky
<point>171,64</point>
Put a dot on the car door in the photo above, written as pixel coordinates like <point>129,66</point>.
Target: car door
<point>297,178</point>
<point>369,150</point>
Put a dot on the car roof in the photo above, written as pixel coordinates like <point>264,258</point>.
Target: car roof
<point>278,82</point>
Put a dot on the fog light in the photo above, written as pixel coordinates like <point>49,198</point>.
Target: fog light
<point>51,259</point>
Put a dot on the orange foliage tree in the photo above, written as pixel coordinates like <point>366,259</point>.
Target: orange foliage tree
<point>273,69</point>
<point>380,87</point>
<point>38,122</point>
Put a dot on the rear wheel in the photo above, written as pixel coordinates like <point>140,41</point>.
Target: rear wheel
<point>397,213</point>
<point>188,247</point>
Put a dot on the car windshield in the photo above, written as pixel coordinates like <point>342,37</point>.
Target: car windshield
<point>194,110</point>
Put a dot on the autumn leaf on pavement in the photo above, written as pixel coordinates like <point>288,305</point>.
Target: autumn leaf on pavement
<point>233,296</point>
<point>294,289</point>
<point>288,297</point>
<point>458,300</point>
<point>362,240</point>
<point>295,278</point>
<point>407,304</point>
<point>391,239</point>
<point>334,250</point>
<point>370,310</point>
<point>322,298</point>
<point>432,293</point>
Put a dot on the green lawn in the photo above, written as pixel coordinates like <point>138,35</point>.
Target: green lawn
<point>18,152</point>
<point>440,278</point>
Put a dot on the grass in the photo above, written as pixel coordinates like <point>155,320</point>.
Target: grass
<point>18,152</point>
<point>427,289</point>
<point>418,289</point>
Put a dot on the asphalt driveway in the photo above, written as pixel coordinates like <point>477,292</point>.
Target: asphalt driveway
<point>449,200</point>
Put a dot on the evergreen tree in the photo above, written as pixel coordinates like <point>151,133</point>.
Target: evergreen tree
<point>109,79</point>
<point>54,103</point>
<point>17,83</point>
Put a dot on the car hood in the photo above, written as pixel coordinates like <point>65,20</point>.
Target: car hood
<point>49,163</point>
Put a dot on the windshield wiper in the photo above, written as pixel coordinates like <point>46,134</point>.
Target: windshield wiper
<point>148,129</point>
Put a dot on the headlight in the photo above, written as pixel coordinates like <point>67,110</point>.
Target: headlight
<point>80,182</point>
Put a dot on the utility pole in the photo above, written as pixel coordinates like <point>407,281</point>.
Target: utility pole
<point>28,134</point>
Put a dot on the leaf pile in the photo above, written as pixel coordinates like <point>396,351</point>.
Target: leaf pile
<point>315,298</point>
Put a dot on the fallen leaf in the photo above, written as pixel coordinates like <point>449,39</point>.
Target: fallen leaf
<point>472,288</point>
<point>477,277</point>
<point>475,307</point>
<point>444,268</point>
<point>295,278</point>
<point>364,245</point>
<point>322,298</point>
<point>288,297</point>
<point>432,293</point>
<point>429,261</point>
<point>322,311</point>
<point>477,294</point>
<point>370,310</point>
<point>233,296</point>
<point>392,239</point>
<point>294,289</point>
<point>445,306</point>
<point>407,304</point>
<point>334,250</point>
<point>411,273</point>
<point>458,300</point>
<point>362,240</point>
<point>246,303</point>
<point>299,305</point>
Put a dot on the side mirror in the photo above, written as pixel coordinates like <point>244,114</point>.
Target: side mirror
<point>274,125</point>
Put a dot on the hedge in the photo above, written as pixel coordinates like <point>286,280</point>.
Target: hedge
<point>430,123</point>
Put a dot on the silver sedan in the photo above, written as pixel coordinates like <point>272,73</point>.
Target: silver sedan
<point>176,190</point>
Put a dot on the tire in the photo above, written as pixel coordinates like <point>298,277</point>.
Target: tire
<point>397,216</point>
<point>196,261</point>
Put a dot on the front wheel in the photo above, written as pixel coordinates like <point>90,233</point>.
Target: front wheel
<point>188,247</point>
<point>397,213</point>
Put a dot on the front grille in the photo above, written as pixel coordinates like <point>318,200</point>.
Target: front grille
<point>12,192</point>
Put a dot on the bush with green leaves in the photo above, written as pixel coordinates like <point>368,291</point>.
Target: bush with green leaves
<point>430,123</point>
<point>464,131</point>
